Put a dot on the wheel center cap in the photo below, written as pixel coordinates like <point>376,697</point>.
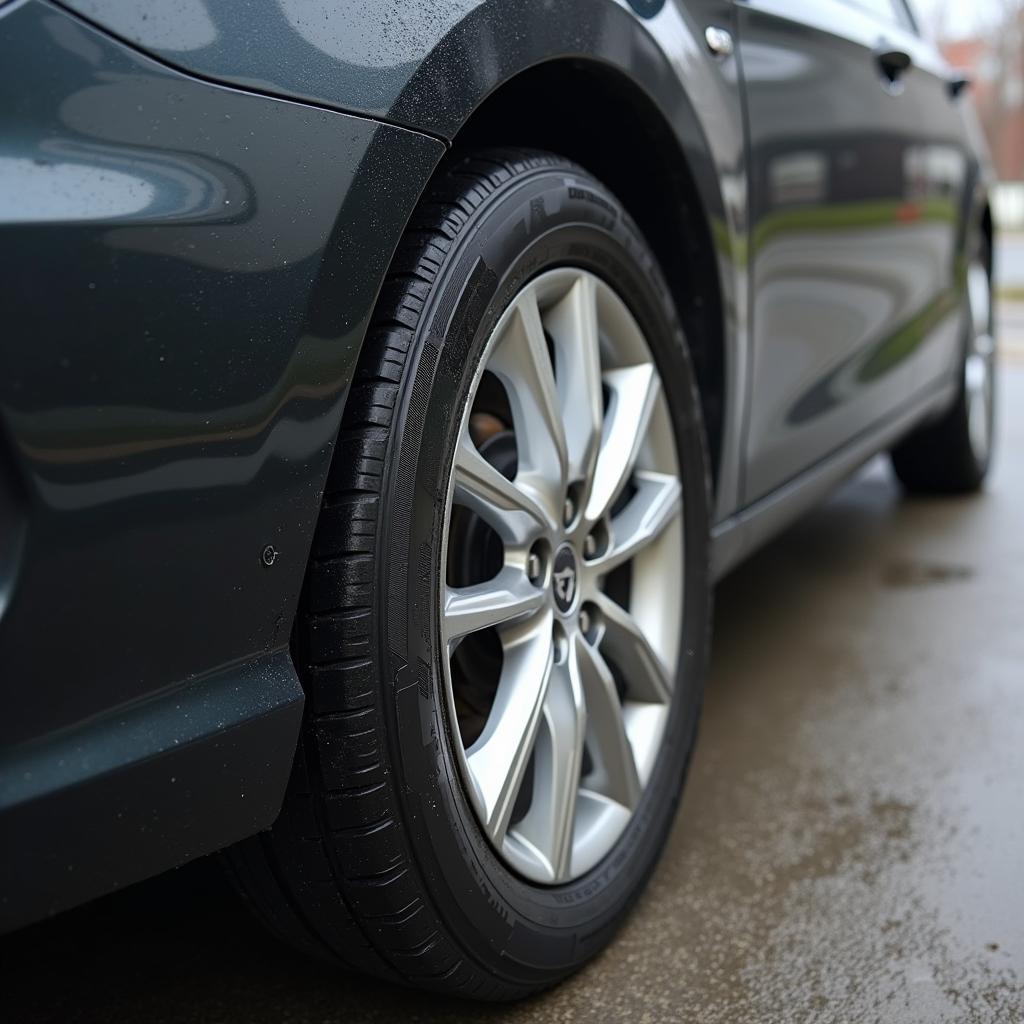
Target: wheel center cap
<point>564,579</point>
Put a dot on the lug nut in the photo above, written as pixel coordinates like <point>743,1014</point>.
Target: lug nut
<point>569,511</point>
<point>584,621</point>
<point>590,546</point>
<point>533,566</point>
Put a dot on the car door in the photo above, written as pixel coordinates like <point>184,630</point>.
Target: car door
<point>857,170</point>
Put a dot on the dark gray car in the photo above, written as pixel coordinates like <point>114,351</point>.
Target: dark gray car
<point>383,388</point>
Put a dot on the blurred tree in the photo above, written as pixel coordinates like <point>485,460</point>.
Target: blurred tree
<point>990,45</point>
<point>1004,123</point>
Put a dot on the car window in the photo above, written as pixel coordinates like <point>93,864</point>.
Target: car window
<point>894,11</point>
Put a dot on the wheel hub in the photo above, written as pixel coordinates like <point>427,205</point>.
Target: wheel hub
<point>565,580</point>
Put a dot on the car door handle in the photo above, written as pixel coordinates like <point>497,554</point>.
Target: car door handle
<point>894,64</point>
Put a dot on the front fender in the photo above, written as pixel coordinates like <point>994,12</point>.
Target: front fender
<point>429,67</point>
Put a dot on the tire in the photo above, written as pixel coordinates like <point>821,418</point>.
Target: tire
<point>379,860</point>
<point>953,454</point>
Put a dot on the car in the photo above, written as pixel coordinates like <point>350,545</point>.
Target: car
<point>385,388</point>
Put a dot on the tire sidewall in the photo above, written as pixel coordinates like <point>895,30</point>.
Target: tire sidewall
<point>541,219</point>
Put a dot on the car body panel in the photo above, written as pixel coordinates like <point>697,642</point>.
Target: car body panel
<point>142,788</point>
<point>170,401</point>
<point>856,218</point>
<point>212,259</point>
<point>739,536</point>
<point>423,66</point>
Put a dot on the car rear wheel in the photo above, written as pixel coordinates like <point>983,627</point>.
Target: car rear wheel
<point>952,455</point>
<point>505,620</point>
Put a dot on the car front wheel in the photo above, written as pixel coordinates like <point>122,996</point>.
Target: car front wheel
<point>504,626</point>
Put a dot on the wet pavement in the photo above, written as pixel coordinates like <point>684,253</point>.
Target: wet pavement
<point>851,843</point>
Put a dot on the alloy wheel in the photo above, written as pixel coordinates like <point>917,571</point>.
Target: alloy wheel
<point>562,599</point>
<point>979,375</point>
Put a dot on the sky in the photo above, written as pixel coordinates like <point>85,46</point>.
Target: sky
<point>962,17</point>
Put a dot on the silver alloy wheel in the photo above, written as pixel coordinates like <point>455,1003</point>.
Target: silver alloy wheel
<point>584,680</point>
<point>979,373</point>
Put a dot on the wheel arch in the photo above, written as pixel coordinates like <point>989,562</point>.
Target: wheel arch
<point>572,107</point>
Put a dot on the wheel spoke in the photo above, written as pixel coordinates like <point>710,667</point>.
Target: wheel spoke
<point>615,772</point>
<point>657,502</point>
<point>510,595</point>
<point>633,390</point>
<point>646,677</point>
<point>522,363</point>
<point>979,296</point>
<point>977,390</point>
<point>572,323</point>
<point>547,828</point>
<point>498,760</point>
<point>509,507</point>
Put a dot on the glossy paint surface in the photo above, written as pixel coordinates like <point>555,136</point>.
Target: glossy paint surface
<point>420,64</point>
<point>146,787</point>
<point>715,148</point>
<point>857,210</point>
<point>429,66</point>
<point>187,272</point>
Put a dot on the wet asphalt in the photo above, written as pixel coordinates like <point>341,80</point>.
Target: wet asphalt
<point>851,843</point>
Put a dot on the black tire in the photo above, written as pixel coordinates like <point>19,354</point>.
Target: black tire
<point>938,457</point>
<point>376,860</point>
